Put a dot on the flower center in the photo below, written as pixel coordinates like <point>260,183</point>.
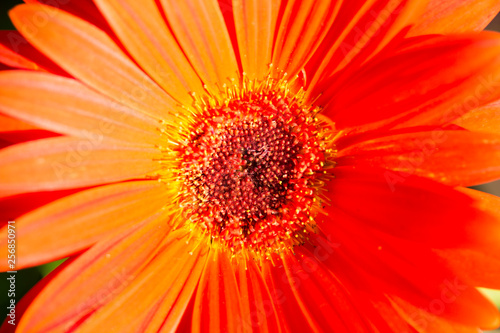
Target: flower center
<point>250,168</point>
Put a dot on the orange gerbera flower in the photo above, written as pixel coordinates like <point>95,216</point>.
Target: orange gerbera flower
<point>267,166</point>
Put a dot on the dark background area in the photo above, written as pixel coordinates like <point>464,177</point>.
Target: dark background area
<point>5,6</point>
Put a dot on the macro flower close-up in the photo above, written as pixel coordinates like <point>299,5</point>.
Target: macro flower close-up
<point>251,165</point>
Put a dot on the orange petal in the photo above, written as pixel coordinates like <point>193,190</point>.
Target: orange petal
<point>458,158</point>
<point>301,28</point>
<point>445,17</point>
<point>485,202</point>
<point>64,162</point>
<point>217,306</point>
<point>158,297</point>
<point>255,22</point>
<point>432,83</point>
<point>142,30</point>
<point>68,107</point>
<point>474,267</point>
<point>430,321</point>
<point>485,119</point>
<point>391,318</point>
<point>204,38</point>
<point>95,278</point>
<point>91,56</point>
<point>73,223</point>
<point>478,267</point>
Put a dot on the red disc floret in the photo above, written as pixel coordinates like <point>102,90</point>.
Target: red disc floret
<point>249,169</point>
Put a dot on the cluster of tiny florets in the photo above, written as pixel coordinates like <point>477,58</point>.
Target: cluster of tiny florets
<point>249,169</point>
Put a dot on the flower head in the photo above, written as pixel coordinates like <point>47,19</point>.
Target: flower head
<point>253,165</point>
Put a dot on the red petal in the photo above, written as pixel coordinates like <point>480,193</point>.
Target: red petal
<point>429,84</point>
<point>257,307</point>
<point>412,208</point>
<point>84,9</point>
<point>64,162</point>
<point>321,296</point>
<point>15,51</point>
<point>91,56</point>
<point>361,30</point>
<point>217,306</point>
<point>365,299</point>
<point>290,314</point>
<point>450,157</point>
<point>17,131</point>
<point>15,206</point>
<point>73,223</point>
<point>15,137</point>
<point>8,124</point>
<point>407,270</point>
<point>68,107</point>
